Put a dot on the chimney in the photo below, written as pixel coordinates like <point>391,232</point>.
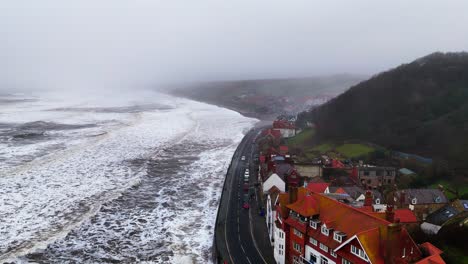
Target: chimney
<point>368,198</point>
<point>390,214</point>
<point>392,242</point>
<point>292,194</point>
<point>402,198</point>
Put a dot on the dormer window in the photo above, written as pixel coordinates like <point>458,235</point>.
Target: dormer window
<point>414,201</point>
<point>377,201</point>
<point>314,223</point>
<point>338,236</point>
<point>325,230</point>
<point>438,199</point>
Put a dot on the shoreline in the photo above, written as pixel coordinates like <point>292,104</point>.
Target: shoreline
<point>261,117</point>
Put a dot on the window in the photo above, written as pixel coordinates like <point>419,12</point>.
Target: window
<point>314,223</point>
<point>359,252</point>
<point>325,230</point>
<point>297,233</point>
<point>323,260</point>
<point>377,201</point>
<point>332,253</point>
<point>323,247</point>
<point>414,201</point>
<point>312,258</point>
<point>281,234</point>
<point>313,241</point>
<point>297,247</point>
<point>345,261</point>
<point>337,236</point>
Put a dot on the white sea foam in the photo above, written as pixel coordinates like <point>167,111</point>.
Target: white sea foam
<point>52,187</point>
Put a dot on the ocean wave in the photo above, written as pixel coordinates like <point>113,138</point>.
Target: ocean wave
<point>146,190</point>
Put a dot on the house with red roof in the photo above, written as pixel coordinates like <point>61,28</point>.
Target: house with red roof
<point>318,229</point>
<point>287,128</point>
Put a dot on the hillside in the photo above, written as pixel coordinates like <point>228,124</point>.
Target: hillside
<point>268,98</point>
<point>420,107</point>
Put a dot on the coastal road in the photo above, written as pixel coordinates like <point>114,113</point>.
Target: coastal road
<point>234,236</point>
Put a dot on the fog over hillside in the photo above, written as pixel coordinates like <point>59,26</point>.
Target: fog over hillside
<point>97,45</point>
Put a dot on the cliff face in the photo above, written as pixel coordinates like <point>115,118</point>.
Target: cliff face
<point>420,107</point>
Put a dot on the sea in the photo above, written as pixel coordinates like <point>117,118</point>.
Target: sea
<point>124,177</point>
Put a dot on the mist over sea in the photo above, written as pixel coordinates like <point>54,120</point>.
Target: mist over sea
<point>113,178</point>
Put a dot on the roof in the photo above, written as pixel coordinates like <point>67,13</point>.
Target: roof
<point>272,181</point>
<point>337,164</point>
<point>372,231</point>
<point>307,206</point>
<point>283,124</point>
<point>461,205</point>
<point>369,168</point>
<point>343,218</point>
<point>406,171</point>
<point>283,169</point>
<point>405,216</point>
<point>356,191</point>
<point>317,187</point>
<point>283,149</point>
<point>423,196</point>
<point>433,254</point>
<point>273,132</point>
<point>442,215</point>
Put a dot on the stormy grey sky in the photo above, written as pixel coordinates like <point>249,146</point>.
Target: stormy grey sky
<point>112,43</point>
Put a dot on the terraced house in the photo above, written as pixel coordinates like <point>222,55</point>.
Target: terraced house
<point>315,228</point>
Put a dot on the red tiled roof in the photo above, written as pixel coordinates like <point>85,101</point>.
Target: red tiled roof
<point>317,187</point>
<point>405,216</point>
<point>337,164</point>
<point>371,230</point>
<point>283,124</point>
<point>431,249</point>
<point>284,149</point>
<point>273,132</point>
<point>434,255</point>
<point>307,206</point>
<point>262,158</point>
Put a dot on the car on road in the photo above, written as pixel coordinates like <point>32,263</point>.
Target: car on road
<point>246,205</point>
<point>243,158</point>
<point>246,180</point>
<point>245,187</point>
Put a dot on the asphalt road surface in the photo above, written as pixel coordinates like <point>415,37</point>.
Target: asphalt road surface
<point>234,240</point>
